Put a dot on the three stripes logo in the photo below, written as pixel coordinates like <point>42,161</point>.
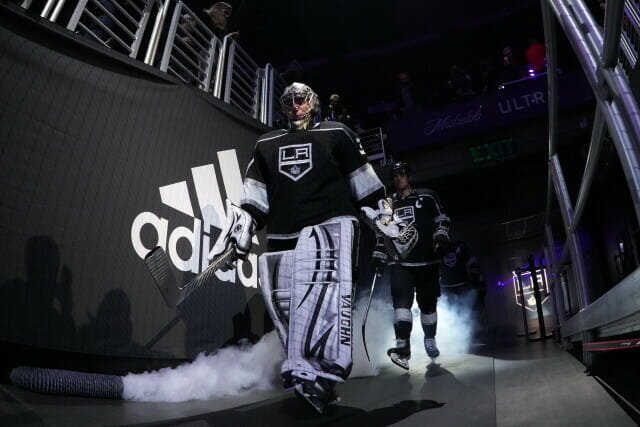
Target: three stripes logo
<point>206,227</point>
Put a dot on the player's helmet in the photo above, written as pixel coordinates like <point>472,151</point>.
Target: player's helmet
<point>298,93</point>
<point>400,168</point>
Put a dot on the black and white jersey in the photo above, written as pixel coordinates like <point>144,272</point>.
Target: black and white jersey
<point>422,209</point>
<point>454,269</point>
<point>302,178</point>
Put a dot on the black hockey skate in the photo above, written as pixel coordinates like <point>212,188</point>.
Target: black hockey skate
<point>431,348</point>
<point>400,356</point>
<point>317,393</point>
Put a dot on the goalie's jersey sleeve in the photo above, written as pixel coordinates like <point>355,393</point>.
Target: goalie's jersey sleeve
<point>302,178</point>
<point>423,209</point>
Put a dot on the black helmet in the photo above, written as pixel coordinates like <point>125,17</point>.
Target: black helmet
<point>400,168</point>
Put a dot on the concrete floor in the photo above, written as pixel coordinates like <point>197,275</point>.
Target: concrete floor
<point>515,384</point>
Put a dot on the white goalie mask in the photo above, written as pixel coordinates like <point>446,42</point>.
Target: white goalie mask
<point>301,105</point>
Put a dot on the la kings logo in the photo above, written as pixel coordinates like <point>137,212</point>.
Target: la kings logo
<point>201,236</point>
<point>450,259</point>
<point>294,161</point>
<point>406,214</point>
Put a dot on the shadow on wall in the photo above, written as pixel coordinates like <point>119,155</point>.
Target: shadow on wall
<point>38,312</point>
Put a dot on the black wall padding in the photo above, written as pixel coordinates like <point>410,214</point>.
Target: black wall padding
<point>55,381</point>
<point>88,137</point>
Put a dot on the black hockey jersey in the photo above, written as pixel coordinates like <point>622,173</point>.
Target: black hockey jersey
<point>302,178</point>
<point>422,209</point>
<point>460,267</point>
<point>454,269</point>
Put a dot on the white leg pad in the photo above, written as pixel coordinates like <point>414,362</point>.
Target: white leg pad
<point>320,327</point>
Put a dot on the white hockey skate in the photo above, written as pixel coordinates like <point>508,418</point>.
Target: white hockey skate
<point>400,355</point>
<point>431,348</point>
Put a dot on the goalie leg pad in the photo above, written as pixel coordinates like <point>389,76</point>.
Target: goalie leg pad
<point>320,326</point>
<point>275,272</point>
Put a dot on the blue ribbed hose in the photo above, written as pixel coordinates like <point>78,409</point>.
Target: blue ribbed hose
<point>56,381</point>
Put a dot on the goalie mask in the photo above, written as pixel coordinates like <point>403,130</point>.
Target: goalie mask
<point>301,105</point>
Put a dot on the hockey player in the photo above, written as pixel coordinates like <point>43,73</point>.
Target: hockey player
<point>461,278</point>
<point>306,185</point>
<point>417,273</point>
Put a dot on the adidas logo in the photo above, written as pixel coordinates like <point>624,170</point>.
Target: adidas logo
<point>212,209</point>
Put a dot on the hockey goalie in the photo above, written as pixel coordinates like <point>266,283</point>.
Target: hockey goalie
<point>307,184</point>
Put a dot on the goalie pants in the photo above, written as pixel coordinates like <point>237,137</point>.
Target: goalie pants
<point>309,296</point>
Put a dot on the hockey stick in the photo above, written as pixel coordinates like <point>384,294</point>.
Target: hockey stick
<point>366,313</point>
<point>157,263</point>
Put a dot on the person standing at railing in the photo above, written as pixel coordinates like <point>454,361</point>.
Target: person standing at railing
<point>219,14</point>
<point>510,70</point>
<point>337,112</point>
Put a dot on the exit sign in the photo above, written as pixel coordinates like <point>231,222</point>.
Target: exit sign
<point>492,150</point>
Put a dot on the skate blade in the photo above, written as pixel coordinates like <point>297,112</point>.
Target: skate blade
<point>400,361</point>
<point>315,403</point>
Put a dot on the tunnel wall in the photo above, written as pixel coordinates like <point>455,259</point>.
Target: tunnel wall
<point>101,159</point>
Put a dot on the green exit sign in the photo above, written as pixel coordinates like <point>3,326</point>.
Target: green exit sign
<point>492,150</point>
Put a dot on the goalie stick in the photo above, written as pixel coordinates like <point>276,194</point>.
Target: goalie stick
<point>366,313</point>
<point>157,263</point>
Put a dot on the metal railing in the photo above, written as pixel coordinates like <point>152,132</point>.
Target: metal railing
<point>372,141</point>
<point>239,80</point>
<point>114,23</point>
<point>630,36</point>
<point>273,87</point>
<point>191,49</point>
<point>603,55</point>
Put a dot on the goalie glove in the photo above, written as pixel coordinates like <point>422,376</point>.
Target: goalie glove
<point>238,229</point>
<point>398,237</point>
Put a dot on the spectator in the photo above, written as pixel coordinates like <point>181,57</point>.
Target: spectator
<point>406,95</point>
<point>536,56</point>
<point>460,83</point>
<point>486,81</point>
<point>219,14</point>
<point>510,70</point>
<point>337,112</point>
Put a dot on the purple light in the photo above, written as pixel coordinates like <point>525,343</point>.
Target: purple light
<point>531,72</point>
<point>500,283</point>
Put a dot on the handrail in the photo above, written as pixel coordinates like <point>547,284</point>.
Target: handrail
<point>192,53</point>
<point>617,114</point>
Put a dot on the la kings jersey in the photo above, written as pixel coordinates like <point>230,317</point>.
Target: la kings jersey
<point>454,269</point>
<point>301,178</point>
<point>422,209</point>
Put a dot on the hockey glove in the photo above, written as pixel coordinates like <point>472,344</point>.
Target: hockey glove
<point>398,238</point>
<point>379,258</point>
<point>441,242</point>
<point>237,231</point>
